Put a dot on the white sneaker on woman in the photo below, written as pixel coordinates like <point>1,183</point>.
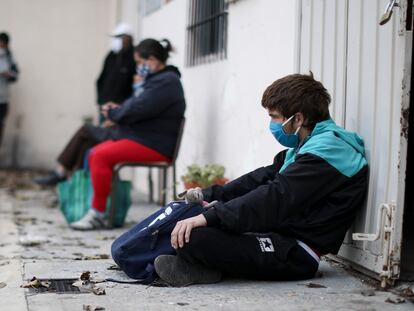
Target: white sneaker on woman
<point>93,220</point>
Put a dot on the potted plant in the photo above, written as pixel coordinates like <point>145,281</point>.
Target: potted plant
<point>198,176</point>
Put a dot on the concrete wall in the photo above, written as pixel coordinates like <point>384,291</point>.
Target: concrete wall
<point>59,46</point>
<point>225,121</point>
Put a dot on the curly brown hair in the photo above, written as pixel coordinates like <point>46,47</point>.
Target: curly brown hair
<point>298,93</point>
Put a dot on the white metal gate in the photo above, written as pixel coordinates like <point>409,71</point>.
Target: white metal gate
<point>366,68</point>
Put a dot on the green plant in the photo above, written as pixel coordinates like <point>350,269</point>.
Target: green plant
<point>205,176</point>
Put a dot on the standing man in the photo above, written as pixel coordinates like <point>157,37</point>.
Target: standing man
<point>8,74</point>
<point>114,84</point>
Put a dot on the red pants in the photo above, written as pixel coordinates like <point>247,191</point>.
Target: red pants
<point>105,156</point>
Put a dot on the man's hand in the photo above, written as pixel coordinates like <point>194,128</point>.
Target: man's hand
<point>109,105</point>
<point>183,229</point>
<point>7,74</point>
<point>108,123</point>
<point>104,112</point>
<point>138,78</point>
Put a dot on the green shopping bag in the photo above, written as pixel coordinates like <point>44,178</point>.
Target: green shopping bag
<point>75,198</point>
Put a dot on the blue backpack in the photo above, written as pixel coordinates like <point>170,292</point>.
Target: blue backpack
<point>135,250</point>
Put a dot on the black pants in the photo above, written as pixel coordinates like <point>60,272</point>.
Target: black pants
<point>254,256</point>
<point>4,108</point>
<point>73,155</point>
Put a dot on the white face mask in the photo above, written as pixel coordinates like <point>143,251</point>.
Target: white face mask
<point>116,45</point>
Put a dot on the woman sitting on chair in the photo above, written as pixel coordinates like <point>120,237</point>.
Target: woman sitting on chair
<point>146,128</point>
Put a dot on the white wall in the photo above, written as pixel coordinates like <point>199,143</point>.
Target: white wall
<point>225,121</point>
<point>59,46</point>
<point>127,12</point>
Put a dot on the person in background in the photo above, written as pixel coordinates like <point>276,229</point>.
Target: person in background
<point>146,129</point>
<point>73,154</point>
<point>8,74</point>
<point>115,81</point>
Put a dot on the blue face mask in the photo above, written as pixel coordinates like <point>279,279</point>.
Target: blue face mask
<point>287,140</point>
<point>143,70</point>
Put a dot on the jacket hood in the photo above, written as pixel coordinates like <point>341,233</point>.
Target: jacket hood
<point>342,149</point>
<point>173,69</point>
<point>351,138</point>
<point>166,69</point>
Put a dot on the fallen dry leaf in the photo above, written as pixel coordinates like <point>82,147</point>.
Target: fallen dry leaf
<point>408,292</point>
<point>92,308</point>
<point>2,284</point>
<point>314,285</point>
<point>94,257</point>
<point>114,267</point>
<point>99,291</point>
<point>78,283</point>
<point>97,280</point>
<point>368,292</point>
<point>85,276</point>
<point>4,263</point>
<point>33,283</point>
<point>395,300</point>
<point>87,283</point>
<point>32,240</point>
<point>105,238</point>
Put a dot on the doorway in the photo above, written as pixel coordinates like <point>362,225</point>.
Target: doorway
<point>407,247</point>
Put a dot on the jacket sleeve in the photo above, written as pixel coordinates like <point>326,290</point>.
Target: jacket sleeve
<point>266,208</point>
<point>245,183</point>
<point>157,96</point>
<point>99,81</point>
<point>14,69</point>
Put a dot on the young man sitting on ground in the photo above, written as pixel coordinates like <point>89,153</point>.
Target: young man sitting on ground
<point>275,222</point>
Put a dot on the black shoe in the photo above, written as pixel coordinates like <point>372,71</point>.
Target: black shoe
<point>50,180</point>
<point>178,272</point>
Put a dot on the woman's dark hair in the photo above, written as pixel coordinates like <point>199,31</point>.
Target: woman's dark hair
<point>151,47</point>
<point>298,93</point>
<point>4,37</point>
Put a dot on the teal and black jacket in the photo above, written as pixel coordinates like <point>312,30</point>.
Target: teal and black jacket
<point>310,193</point>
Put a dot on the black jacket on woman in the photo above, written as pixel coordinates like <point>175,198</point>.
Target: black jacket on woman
<point>154,117</point>
<point>115,81</point>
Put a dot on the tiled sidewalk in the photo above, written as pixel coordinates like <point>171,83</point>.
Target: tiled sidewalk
<point>36,241</point>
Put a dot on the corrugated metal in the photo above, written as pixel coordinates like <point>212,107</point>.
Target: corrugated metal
<point>362,65</point>
<point>323,48</point>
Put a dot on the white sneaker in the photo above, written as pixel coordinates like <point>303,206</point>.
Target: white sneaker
<point>93,220</point>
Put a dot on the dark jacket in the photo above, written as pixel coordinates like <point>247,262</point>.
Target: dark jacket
<point>116,79</point>
<point>153,118</point>
<point>7,64</point>
<point>14,69</point>
<point>311,194</point>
